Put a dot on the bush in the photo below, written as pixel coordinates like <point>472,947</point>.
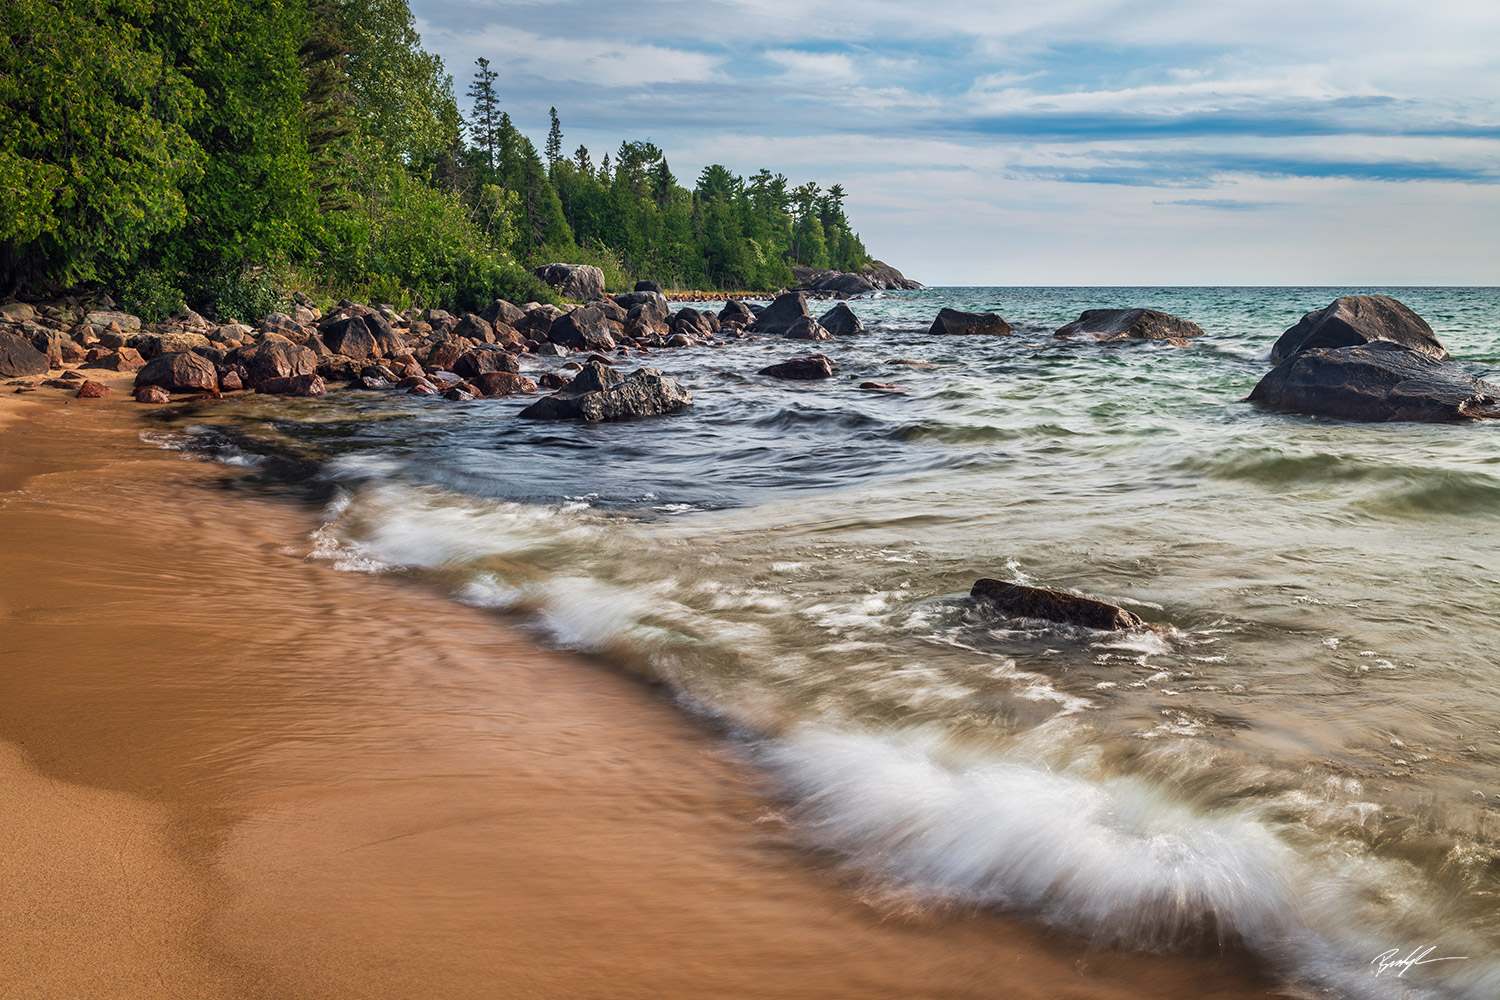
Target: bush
<point>151,294</point>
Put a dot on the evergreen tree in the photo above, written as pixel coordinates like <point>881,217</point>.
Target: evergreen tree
<point>554,141</point>
<point>484,120</point>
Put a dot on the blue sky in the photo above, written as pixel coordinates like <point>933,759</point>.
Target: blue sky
<point>1059,142</point>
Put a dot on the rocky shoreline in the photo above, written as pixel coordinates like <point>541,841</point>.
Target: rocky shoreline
<point>1363,358</point>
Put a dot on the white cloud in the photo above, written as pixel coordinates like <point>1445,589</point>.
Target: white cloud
<point>605,62</point>
<point>814,67</point>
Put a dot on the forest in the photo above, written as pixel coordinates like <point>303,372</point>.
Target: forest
<point>222,155</point>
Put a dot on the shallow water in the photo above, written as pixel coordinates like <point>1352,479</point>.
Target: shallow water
<point>1304,764</point>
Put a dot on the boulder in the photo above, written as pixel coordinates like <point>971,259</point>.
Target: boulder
<point>1379,381</point>
<point>840,321</point>
<point>351,337</point>
<point>272,360</point>
<point>611,309</point>
<point>954,321</point>
<point>736,313</point>
<point>126,359</point>
<point>152,394</point>
<point>457,395</point>
<point>500,383</point>
<point>279,323</point>
<point>1359,319</point>
<point>884,276</point>
<point>230,380</point>
<point>537,322</point>
<point>656,300</point>
<point>779,316</point>
<point>104,317</point>
<point>1017,601</point>
<point>501,311</point>
<point>480,360</point>
<point>581,282</point>
<point>647,286</point>
<point>599,393</point>
<point>804,367</point>
<point>18,358</point>
<point>474,328</point>
<point>1128,324</point>
<point>180,371</point>
<point>93,390</point>
<point>689,322</point>
<point>16,312</point>
<point>583,329</point>
<point>807,328</point>
<point>295,385</point>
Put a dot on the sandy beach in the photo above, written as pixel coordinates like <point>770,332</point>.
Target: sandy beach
<point>230,770</point>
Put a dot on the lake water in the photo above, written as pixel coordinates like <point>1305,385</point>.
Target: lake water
<point>1304,763</point>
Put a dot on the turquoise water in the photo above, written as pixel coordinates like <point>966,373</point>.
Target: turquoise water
<point>1304,762</point>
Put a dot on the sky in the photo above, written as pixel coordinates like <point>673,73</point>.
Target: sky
<point>1051,142</point>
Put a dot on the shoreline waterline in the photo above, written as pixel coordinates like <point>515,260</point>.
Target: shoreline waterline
<point>356,785</point>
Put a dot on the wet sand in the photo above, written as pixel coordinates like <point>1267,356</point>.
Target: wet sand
<point>232,771</point>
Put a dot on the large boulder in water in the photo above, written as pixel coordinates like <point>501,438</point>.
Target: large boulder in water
<point>1376,382</point>
<point>179,372</point>
<point>584,329</point>
<point>954,321</point>
<point>598,392</point>
<point>1128,324</point>
<point>807,328</point>
<point>736,313</point>
<point>1018,601</point>
<point>583,282</point>
<point>1359,319</point>
<point>841,321</point>
<point>270,359</point>
<point>806,367</point>
<point>18,358</point>
<point>778,317</point>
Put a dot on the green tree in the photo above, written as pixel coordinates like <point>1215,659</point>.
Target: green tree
<point>485,128</point>
<point>554,141</point>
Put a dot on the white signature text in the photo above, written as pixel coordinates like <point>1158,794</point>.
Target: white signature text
<point>1388,960</point>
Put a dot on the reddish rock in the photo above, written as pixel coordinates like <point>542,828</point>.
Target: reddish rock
<point>477,362</point>
<point>502,384</point>
<point>18,357</point>
<point>412,381</point>
<point>884,386</point>
<point>179,371</point>
<point>457,395</point>
<point>230,381</point>
<point>422,388</point>
<point>93,390</point>
<point>293,385</point>
<point>551,380</point>
<point>74,376</point>
<point>125,359</point>
<point>152,394</point>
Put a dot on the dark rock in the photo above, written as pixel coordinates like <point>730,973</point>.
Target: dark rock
<point>807,328</point>
<point>501,311</point>
<point>551,380</point>
<point>279,323</point>
<point>549,351</point>
<point>823,280</point>
<point>19,358</point>
<point>475,329</point>
<point>93,390</point>
<point>647,286</point>
<point>269,359</point>
<point>680,340</point>
<point>840,321</point>
<point>582,282</point>
<point>295,385</point>
<point>1359,319</point>
<point>883,386</point>
<point>736,314</point>
<point>509,338</point>
<point>104,317</point>
<point>660,307</point>
<point>372,382</point>
<point>152,394</point>
<point>476,362</point>
<point>600,393</point>
<point>502,384</point>
<point>412,381</point>
<point>352,338</point>
<point>1376,382</point>
<point>583,329</point>
<point>377,371</point>
<point>1128,324</point>
<point>337,369</point>
<point>779,316</point>
<point>611,309</point>
<point>422,387</point>
<point>804,367</point>
<point>457,395</point>
<point>180,371</point>
<point>953,321</point>
<point>1017,601</point>
<point>692,323</point>
<point>537,323</point>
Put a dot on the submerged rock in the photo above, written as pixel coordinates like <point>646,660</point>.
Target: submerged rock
<point>152,394</point>
<point>1128,324</point>
<point>93,390</point>
<point>599,393</point>
<point>804,367</point>
<point>954,321</point>
<point>1359,319</point>
<point>1376,382</point>
<point>1019,601</point>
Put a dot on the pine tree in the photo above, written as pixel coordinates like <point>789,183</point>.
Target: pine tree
<point>484,123</point>
<point>554,141</point>
<point>585,164</point>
